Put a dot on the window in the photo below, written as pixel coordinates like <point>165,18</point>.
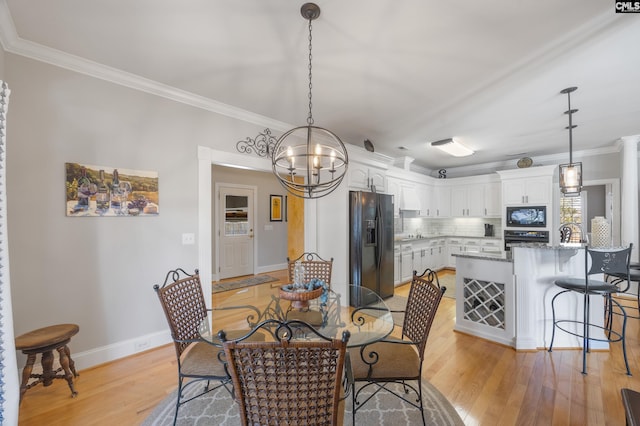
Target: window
<point>573,212</point>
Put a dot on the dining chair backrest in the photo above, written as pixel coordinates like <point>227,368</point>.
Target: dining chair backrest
<point>183,303</point>
<point>610,261</point>
<point>424,298</point>
<point>287,381</point>
<point>314,267</point>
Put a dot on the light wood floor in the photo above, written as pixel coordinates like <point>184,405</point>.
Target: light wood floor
<point>489,384</point>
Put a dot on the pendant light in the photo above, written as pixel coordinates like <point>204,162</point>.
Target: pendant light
<point>309,161</point>
<point>571,173</point>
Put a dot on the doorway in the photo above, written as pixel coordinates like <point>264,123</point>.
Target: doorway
<point>235,223</point>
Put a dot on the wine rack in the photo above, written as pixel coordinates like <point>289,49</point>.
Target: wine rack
<point>484,302</point>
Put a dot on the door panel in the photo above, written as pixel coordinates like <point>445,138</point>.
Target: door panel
<point>236,231</point>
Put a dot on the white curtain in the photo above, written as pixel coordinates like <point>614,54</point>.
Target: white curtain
<point>9,385</point>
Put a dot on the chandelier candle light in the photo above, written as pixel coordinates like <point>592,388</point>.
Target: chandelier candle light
<point>570,174</point>
<point>310,161</point>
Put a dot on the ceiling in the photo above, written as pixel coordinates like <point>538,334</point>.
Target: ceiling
<point>401,73</point>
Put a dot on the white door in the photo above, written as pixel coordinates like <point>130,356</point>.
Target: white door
<point>236,227</point>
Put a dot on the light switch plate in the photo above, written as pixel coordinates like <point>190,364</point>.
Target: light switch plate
<point>188,239</point>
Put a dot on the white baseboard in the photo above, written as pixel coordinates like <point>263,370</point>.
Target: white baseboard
<point>259,270</point>
<point>271,268</point>
<point>122,349</point>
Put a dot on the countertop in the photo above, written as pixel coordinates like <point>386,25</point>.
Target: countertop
<point>498,257</point>
<point>572,246</point>
<point>432,237</point>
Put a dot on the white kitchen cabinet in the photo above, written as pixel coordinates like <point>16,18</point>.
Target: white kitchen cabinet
<point>441,257</point>
<point>418,259</point>
<point>527,186</point>
<point>533,190</point>
<point>409,199</point>
<point>393,188</point>
<point>493,199</point>
<point>442,196</point>
<point>407,263</point>
<point>362,176</point>
<point>492,246</point>
<point>476,200</point>
<point>468,200</point>
<point>427,201</point>
<point>471,245</point>
<point>454,246</point>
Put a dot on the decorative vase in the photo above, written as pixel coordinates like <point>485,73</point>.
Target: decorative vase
<point>600,232</point>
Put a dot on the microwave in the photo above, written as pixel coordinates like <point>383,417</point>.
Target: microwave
<point>527,216</point>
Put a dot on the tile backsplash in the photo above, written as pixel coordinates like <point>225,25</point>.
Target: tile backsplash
<point>464,226</point>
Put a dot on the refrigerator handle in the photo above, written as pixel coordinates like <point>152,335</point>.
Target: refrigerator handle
<point>380,236</point>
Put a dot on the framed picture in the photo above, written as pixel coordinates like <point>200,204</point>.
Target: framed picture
<point>276,209</point>
<point>107,191</point>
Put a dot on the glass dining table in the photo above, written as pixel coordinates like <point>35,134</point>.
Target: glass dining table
<point>361,312</point>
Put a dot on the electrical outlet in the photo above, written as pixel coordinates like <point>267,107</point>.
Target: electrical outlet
<point>141,345</point>
<point>188,239</point>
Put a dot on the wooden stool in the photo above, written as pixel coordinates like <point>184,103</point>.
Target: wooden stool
<point>44,341</point>
<point>631,403</point>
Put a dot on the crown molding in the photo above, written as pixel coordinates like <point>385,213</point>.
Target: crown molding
<point>485,168</point>
<point>12,43</point>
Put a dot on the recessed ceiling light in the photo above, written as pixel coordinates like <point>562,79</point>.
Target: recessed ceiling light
<point>452,147</point>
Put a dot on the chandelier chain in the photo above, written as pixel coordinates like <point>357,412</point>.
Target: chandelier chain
<point>310,117</point>
<point>570,128</point>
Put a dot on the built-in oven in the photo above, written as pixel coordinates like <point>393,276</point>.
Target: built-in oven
<point>524,236</point>
<point>526,216</point>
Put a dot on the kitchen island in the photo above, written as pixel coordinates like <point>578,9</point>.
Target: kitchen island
<point>507,299</point>
<point>485,296</point>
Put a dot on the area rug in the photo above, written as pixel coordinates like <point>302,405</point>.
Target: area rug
<point>244,282</point>
<point>448,281</point>
<point>218,408</point>
<point>397,303</point>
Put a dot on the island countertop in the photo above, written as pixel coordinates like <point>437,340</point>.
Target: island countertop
<point>503,256</point>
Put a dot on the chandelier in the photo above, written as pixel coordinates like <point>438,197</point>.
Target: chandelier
<point>571,173</point>
<point>309,161</point>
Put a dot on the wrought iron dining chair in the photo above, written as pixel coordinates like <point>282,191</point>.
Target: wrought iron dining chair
<point>613,262</point>
<point>314,267</point>
<point>399,360</point>
<point>183,304</point>
<point>287,381</point>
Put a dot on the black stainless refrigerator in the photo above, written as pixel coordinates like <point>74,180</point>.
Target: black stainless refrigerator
<point>371,242</point>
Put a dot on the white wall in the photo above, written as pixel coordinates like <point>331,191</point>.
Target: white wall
<point>99,272</point>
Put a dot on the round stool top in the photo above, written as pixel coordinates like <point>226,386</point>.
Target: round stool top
<point>46,336</point>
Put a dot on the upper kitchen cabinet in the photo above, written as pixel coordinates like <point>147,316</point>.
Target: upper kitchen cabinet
<point>442,200</point>
<point>427,202</point>
<point>469,199</point>
<point>493,199</point>
<point>527,186</point>
<point>393,188</point>
<point>363,176</point>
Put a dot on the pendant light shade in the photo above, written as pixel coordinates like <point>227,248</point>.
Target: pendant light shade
<point>570,173</point>
<point>310,161</point>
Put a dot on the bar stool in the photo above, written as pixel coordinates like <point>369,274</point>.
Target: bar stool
<point>613,262</point>
<point>44,341</point>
